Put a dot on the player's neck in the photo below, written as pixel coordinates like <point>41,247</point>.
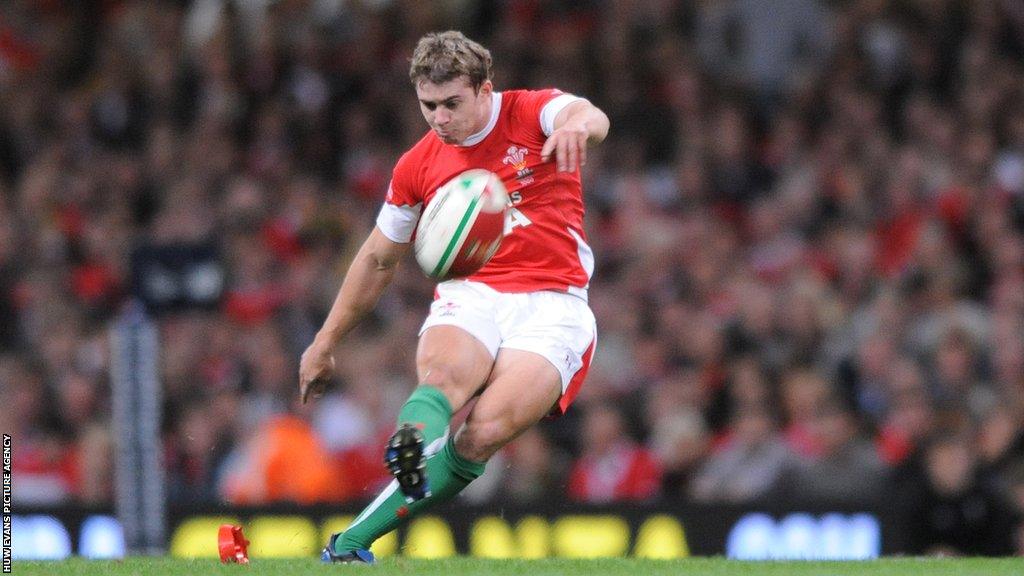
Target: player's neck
<point>483,119</point>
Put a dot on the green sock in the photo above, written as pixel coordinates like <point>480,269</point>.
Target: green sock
<point>429,410</point>
<point>448,474</point>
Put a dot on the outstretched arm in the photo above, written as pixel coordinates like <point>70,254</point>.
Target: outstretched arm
<point>369,274</point>
<point>576,126</point>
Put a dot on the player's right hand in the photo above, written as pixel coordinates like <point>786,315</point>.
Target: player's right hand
<point>315,369</point>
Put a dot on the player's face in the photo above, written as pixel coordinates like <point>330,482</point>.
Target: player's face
<point>454,110</point>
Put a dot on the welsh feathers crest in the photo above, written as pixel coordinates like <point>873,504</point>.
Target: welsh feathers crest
<point>516,156</point>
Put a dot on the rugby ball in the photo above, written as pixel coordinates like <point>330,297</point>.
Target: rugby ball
<point>462,225</point>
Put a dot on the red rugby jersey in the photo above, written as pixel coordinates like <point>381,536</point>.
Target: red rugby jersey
<point>545,247</point>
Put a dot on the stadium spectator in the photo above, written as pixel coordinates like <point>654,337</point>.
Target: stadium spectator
<point>281,460</point>
<point>954,511</point>
<point>1000,443</point>
<point>611,466</point>
<point>678,433</point>
<point>749,463</point>
<point>769,50</point>
<point>910,417</point>
<point>846,469</point>
<point>194,455</point>
<point>804,393</point>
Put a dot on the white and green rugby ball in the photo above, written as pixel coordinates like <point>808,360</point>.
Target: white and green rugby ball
<point>462,225</point>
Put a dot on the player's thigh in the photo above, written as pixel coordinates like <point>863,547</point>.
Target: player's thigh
<point>454,361</point>
<point>458,340</point>
<point>522,389</point>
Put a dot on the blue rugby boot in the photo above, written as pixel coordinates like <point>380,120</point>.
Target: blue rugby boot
<point>329,556</point>
<point>404,458</point>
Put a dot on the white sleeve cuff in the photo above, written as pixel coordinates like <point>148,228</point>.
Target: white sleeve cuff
<point>398,222</point>
<point>552,108</point>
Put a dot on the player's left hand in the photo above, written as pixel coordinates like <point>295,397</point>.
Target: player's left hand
<point>569,146</point>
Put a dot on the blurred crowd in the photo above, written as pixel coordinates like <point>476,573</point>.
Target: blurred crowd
<point>808,222</point>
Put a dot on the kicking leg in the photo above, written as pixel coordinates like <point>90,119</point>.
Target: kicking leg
<point>522,388</point>
<point>452,366</point>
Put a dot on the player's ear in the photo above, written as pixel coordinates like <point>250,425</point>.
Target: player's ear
<point>486,88</point>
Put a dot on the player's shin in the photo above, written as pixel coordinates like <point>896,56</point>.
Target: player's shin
<point>428,410</point>
<point>449,473</point>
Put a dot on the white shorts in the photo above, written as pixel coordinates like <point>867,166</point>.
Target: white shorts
<point>556,325</point>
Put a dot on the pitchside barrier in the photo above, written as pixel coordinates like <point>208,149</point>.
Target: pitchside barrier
<point>551,530</point>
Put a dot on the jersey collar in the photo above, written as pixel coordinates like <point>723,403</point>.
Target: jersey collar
<point>495,110</point>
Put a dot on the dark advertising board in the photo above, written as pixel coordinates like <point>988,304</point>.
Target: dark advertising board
<point>556,530</point>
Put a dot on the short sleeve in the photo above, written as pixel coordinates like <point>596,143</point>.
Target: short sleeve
<point>551,109</point>
<point>398,222</point>
<point>544,105</point>
<point>401,210</point>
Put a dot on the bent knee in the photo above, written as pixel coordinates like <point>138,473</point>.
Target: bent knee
<point>478,441</point>
<point>457,385</point>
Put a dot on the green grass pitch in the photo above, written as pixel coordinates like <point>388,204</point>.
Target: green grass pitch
<point>473,567</point>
